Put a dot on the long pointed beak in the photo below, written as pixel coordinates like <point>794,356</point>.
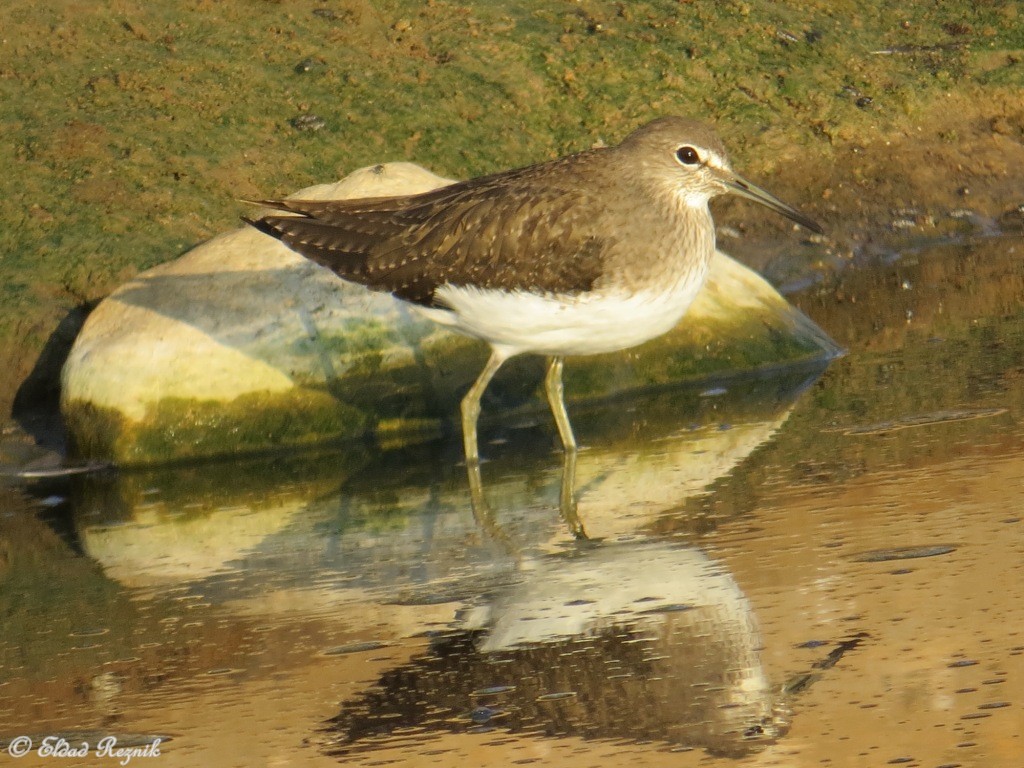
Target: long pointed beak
<point>744,188</point>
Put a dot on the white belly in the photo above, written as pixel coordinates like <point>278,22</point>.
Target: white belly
<point>588,324</point>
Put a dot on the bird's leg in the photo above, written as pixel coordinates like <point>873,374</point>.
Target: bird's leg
<point>567,497</point>
<point>471,406</point>
<point>470,413</point>
<point>484,515</point>
<point>556,399</point>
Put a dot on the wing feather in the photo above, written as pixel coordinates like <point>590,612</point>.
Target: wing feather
<point>520,230</point>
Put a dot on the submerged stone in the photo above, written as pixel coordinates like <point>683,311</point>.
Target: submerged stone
<point>241,345</point>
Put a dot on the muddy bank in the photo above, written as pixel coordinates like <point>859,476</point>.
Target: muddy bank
<point>133,131</point>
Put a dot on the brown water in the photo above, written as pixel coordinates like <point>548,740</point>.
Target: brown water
<point>787,571</point>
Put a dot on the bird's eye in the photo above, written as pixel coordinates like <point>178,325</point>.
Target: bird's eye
<point>687,156</point>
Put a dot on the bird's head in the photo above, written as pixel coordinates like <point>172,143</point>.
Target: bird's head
<point>691,160</point>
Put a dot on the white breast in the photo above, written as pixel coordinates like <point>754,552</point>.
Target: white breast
<point>587,324</point>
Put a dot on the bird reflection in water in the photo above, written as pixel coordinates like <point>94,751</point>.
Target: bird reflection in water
<point>638,641</point>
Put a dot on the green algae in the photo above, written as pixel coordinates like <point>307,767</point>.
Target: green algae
<point>177,429</point>
<point>694,353</point>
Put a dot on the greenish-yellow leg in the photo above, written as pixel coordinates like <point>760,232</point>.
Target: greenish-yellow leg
<point>567,497</point>
<point>489,524</point>
<point>471,405</point>
<point>471,414</point>
<point>556,399</point>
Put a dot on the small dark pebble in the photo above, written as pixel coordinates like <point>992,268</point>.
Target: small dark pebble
<point>994,705</point>
<point>864,102</point>
<point>579,602</point>
<point>812,644</point>
<point>975,715</point>
<point>962,663</point>
<point>900,760</point>
<point>901,571</point>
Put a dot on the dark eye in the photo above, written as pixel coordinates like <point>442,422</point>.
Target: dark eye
<point>687,156</point>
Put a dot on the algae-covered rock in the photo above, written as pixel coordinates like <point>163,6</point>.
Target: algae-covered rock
<point>242,345</point>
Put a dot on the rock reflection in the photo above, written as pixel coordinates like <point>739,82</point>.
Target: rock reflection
<point>632,640</point>
<point>327,522</point>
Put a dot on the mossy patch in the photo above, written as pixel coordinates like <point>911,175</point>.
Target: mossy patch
<point>176,429</point>
<point>693,353</point>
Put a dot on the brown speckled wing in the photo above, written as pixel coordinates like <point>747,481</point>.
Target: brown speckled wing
<point>515,230</point>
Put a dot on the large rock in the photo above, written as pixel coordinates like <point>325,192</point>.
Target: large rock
<point>241,345</point>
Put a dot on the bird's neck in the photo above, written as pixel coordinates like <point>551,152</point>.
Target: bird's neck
<point>680,241</point>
